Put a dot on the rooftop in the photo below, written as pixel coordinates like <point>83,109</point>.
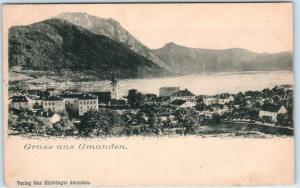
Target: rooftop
<point>70,95</point>
<point>86,97</point>
<point>183,93</point>
<point>53,98</point>
<point>19,99</point>
<point>178,102</point>
<point>169,88</point>
<point>270,107</point>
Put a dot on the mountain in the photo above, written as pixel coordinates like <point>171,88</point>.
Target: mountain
<point>112,29</point>
<point>57,44</point>
<point>196,60</point>
<point>102,47</point>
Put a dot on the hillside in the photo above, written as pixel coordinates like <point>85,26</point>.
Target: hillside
<point>112,29</point>
<point>195,60</point>
<point>56,44</point>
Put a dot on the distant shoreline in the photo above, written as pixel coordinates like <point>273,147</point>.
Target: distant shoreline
<point>23,74</point>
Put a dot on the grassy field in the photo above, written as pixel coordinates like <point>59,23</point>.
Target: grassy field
<point>14,76</point>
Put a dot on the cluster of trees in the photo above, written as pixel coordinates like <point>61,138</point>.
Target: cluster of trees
<point>135,98</point>
<point>28,123</point>
<point>106,122</point>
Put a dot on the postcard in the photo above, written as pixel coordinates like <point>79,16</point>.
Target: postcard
<point>166,94</point>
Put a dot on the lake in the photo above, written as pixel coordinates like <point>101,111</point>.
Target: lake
<point>208,84</point>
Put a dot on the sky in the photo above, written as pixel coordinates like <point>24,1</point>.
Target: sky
<point>259,27</point>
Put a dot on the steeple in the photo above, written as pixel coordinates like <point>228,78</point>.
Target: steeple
<point>114,88</point>
<point>113,80</point>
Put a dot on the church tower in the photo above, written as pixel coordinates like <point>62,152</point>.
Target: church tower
<point>114,88</point>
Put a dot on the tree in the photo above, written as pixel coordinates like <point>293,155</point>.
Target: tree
<point>132,97</point>
<point>29,124</point>
<point>200,106</point>
<point>240,99</point>
<point>187,119</point>
<point>153,120</point>
<point>64,127</point>
<point>135,99</point>
<point>284,120</point>
<point>72,111</point>
<point>216,119</point>
<point>168,123</point>
<point>104,97</point>
<point>12,121</point>
<point>103,122</point>
<point>253,114</point>
<point>267,93</point>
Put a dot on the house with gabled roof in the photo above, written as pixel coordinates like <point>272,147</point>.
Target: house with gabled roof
<point>183,103</point>
<point>271,111</point>
<point>21,102</point>
<point>182,95</point>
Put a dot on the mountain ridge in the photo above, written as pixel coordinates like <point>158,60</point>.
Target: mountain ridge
<point>199,60</point>
<point>112,29</point>
<point>56,44</point>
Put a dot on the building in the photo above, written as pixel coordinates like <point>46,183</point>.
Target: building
<point>210,101</point>
<point>150,99</point>
<point>223,100</point>
<point>54,118</point>
<point>114,88</point>
<point>87,102</point>
<point>182,95</point>
<point>21,102</point>
<point>183,103</point>
<point>220,110</point>
<point>163,101</point>
<point>167,91</point>
<point>270,111</point>
<point>71,99</point>
<point>104,97</point>
<point>53,103</point>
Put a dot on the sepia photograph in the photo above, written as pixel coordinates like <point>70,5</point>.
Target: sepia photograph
<point>128,78</point>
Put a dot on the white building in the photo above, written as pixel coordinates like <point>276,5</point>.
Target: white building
<point>226,100</point>
<point>271,111</point>
<point>53,103</point>
<point>210,101</point>
<point>86,103</point>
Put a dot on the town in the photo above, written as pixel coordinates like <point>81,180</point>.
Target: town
<point>175,111</point>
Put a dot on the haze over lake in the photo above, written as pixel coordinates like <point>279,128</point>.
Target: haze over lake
<point>209,84</point>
